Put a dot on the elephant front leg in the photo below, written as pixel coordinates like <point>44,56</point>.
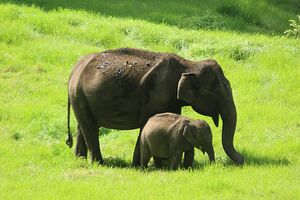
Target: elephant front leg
<point>176,160</point>
<point>136,160</point>
<point>88,129</point>
<point>188,158</point>
<point>81,148</point>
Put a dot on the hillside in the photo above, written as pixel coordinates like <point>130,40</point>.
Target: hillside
<point>264,16</point>
<point>37,50</point>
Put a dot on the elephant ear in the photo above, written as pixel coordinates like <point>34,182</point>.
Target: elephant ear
<point>204,83</point>
<point>189,132</point>
<point>186,88</point>
<point>201,89</point>
<point>157,86</point>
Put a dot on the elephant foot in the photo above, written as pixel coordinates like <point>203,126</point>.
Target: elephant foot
<point>136,162</point>
<point>81,148</point>
<point>97,159</point>
<point>81,151</point>
<point>99,162</point>
<point>188,158</point>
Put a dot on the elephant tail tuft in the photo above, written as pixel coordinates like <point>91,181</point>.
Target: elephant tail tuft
<point>69,141</point>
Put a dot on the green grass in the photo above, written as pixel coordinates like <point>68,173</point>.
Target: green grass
<point>263,16</point>
<point>37,51</point>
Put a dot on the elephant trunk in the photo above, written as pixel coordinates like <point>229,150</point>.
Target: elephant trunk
<point>229,118</point>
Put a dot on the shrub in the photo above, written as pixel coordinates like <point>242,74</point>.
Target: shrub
<point>294,31</point>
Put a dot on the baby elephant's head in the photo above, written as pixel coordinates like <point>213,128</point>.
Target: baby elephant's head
<point>198,133</point>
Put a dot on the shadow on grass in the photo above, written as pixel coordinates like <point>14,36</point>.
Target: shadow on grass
<point>116,162</point>
<point>250,160</point>
<point>258,160</point>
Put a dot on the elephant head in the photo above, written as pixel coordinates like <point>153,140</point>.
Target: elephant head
<point>207,90</point>
<point>198,134</point>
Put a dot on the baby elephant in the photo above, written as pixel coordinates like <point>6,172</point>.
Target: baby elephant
<point>168,135</point>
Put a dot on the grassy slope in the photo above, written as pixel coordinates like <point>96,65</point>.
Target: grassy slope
<point>37,50</point>
<point>263,16</point>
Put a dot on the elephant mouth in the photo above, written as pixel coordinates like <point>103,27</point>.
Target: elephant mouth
<point>213,114</point>
<point>209,151</point>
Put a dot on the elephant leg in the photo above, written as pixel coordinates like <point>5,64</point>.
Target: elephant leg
<point>81,148</point>
<point>91,138</point>
<point>176,160</point>
<point>88,127</point>
<point>188,158</point>
<point>157,162</point>
<point>145,156</point>
<point>137,153</point>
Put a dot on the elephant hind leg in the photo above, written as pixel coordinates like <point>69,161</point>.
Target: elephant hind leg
<point>145,156</point>
<point>81,148</point>
<point>91,138</point>
<point>88,129</point>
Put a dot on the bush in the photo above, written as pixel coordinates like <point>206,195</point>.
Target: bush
<point>294,31</point>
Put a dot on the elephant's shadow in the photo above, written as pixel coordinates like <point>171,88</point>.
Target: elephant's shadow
<point>116,162</point>
<point>260,160</point>
<point>250,159</point>
<point>253,160</point>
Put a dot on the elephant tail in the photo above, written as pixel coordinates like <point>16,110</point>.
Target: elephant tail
<point>69,141</point>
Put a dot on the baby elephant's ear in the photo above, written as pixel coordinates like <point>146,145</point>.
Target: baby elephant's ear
<point>188,131</point>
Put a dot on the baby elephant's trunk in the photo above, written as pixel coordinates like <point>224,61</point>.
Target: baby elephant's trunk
<point>211,153</point>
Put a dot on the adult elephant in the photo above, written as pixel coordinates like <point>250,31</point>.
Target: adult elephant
<point>122,88</point>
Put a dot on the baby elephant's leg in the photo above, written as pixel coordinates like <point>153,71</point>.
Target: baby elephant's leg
<point>145,156</point>
<point>176,160</point>
<point>157,162</point>
<point>188,158</point>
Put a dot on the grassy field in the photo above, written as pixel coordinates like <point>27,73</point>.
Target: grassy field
<point>263,16</point>
<point>37,51</point>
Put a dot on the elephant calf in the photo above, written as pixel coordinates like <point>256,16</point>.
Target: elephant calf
<point>168,135</point>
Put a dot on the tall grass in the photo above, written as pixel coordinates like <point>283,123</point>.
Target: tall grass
<point>37,51</point>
